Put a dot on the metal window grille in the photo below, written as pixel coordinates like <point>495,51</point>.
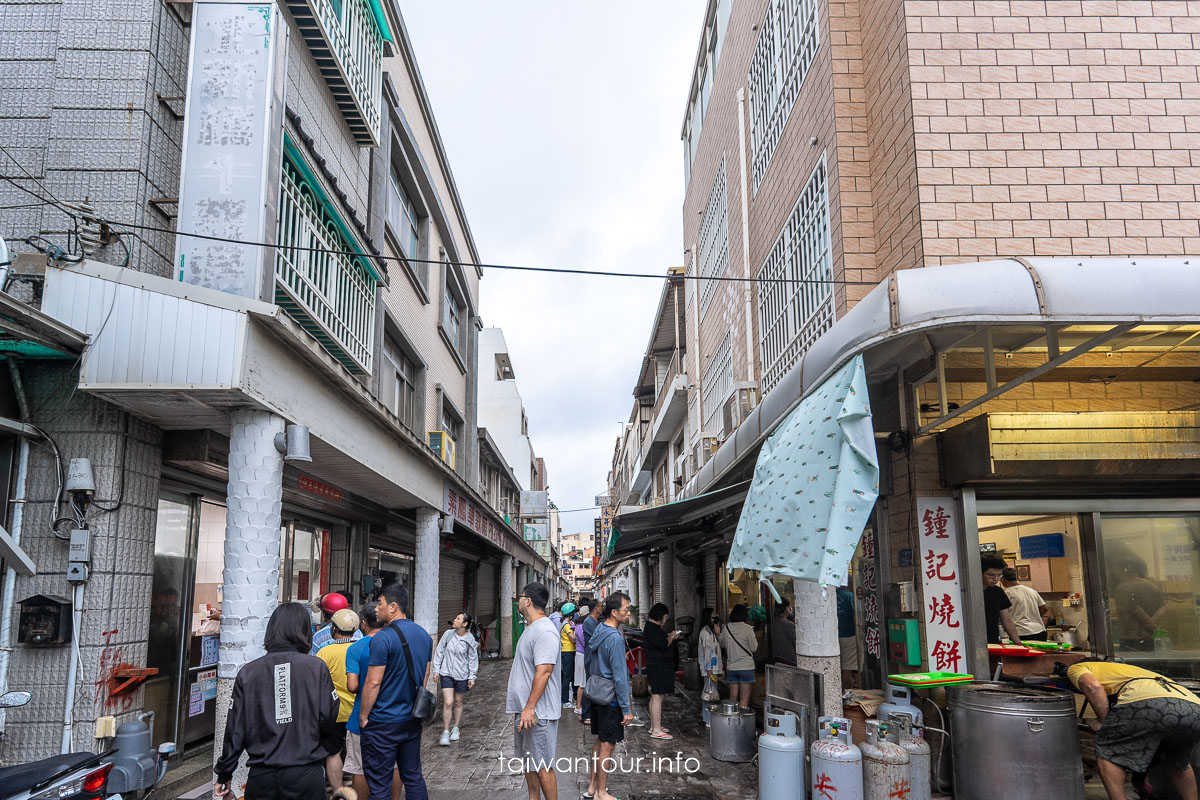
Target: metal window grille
<point>330,294</point>
<point>795,293</point>
<point>714,240</point>
<point>787,43</point>
<point>718,381</point>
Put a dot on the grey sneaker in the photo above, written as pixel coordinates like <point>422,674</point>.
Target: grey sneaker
<point>445,740</point>
<point>454,734</point>
<point>637,722</point>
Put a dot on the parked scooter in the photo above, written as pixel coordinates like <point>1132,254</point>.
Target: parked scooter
<point>130,770</point>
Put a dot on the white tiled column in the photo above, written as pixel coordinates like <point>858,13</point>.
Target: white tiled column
<point>507,592</point>
<point>254,500</point>
<point>817,639</point>
<point>429,550</point>
<point>645,599</point>
<point>666,575</point>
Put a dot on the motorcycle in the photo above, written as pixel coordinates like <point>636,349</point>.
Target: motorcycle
<point>131,769</point>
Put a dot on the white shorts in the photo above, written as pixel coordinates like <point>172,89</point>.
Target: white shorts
<point>849,652</point>
<point>353,763</point>
<point>580,679</point>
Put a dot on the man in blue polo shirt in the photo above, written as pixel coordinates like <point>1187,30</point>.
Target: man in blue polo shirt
<point>390,734</point>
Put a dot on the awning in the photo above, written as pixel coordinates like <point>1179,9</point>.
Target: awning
<point>639,533</point>
<point>917,312</point>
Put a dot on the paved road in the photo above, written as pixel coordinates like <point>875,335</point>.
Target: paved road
<point>477,762</point>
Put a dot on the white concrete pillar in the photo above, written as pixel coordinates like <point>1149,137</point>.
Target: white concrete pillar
<point>254,499</point>
<point>817,639</point>
<point>427,568</point>
<point>666,577</point>
<point>506,600</point>
<point>645,599</point>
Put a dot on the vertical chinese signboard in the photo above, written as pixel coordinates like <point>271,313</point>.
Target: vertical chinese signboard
<point>867,595</point>
<point>941,573</point>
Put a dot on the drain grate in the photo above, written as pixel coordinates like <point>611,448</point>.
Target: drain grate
<point>701,796</point>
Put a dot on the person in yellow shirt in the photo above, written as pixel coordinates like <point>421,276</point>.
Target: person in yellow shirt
<point>1140,715</point>
<point>342,627</point>
<point>567,631</point>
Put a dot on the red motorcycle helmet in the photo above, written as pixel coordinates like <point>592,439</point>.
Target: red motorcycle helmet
<point>334,602</point>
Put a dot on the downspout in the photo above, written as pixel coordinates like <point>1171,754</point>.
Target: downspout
<point>741,96</point>
<point>72,666</point>
<point>18,519</point>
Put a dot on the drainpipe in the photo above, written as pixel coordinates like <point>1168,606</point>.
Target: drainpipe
<point>72,667</point>
<point>741,96</point>
<point>7,601</point>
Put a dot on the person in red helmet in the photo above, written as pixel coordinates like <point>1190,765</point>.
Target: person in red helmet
<point>330,604</point>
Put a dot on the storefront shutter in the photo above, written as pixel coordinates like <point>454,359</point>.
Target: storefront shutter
<point>451,595</point>
<point>485,592</point>
<point>656,581</point>
<point>710,580</point>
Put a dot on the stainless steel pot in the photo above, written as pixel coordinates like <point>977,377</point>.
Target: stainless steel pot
<point>1065,636</point>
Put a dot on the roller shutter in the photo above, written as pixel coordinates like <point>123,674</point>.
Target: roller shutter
<point>710,580</point>
<point>486,592</point>
<point>451,589</point>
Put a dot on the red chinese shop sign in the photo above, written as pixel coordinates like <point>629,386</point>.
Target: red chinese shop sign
<point>941,579</point>
<point>465,512</point>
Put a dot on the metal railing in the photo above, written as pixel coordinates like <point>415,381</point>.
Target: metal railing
<point>357,46</point>
<point>328,293</point>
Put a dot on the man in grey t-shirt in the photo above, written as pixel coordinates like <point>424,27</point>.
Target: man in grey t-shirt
<point>535,667</point>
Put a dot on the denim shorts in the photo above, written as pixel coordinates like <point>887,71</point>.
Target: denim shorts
<point>739,676</point>
<point>446,682</point>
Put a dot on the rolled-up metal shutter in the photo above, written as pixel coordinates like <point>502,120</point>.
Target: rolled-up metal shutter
<point>710,580</point>
<point>656,581</point>
<point>451,589</point>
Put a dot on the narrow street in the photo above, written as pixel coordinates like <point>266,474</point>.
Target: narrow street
<point>478,762</point>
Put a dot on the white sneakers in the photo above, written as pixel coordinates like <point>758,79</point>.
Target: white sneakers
<point>445,740</point>
<point>568,705</point>
<point>454,734</point>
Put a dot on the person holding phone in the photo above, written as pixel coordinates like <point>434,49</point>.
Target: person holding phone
<point>660,666</point>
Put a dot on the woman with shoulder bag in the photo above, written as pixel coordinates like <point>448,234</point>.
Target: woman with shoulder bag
<point>455,667</point>
<point>739,642</point>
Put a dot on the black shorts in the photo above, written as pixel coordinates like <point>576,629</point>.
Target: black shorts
<point>606,723</point>
<point>447,682</point>
<point>662,678</point>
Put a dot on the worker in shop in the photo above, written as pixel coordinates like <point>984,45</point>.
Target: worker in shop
<point>1141,717</point>
<point>996,604</point>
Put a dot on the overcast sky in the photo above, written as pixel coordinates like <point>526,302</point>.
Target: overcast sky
<point>561,121</point>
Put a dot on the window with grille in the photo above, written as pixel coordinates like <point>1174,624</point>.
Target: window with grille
<point>718,381</point>
<point>714,240</point>
<point>786,46</point>
<point>795,293</point>
<point>399,382</point>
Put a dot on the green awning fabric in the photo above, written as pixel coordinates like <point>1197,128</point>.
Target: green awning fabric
<point>380,20</point>
<point>296,159</point>
<point>639,532</point>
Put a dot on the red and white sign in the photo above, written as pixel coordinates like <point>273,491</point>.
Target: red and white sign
<point>941,579</point>
<point>465,512</point>
<point>314,486</point>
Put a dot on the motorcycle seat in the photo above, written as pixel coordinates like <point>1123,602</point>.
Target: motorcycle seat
<point>23,777</point>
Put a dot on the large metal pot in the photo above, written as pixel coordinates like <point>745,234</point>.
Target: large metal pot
<point>731,737</point>
<point>1065,636</point>
<point>999,730</point>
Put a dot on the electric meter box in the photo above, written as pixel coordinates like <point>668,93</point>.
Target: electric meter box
<point>45,621</point>
<point>904,642</point>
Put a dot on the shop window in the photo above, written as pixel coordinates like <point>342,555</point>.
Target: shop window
<point>399,381</point>
<point>1151,571</point>
<point>303,554</point>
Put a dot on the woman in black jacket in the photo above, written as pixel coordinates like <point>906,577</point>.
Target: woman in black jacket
<point>283,715</point>
<point>660,666</point>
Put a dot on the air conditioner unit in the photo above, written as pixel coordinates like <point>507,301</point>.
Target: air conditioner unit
<point>705,449</point>
<point>747,398</point>
<point>442,445</point>
<point>692,466</point>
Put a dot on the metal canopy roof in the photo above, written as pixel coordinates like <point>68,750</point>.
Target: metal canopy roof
<point>641,532</point>
<point>917,312</point>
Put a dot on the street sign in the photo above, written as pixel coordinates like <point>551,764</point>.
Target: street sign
<point>536,531</point>
<point>535,504</point>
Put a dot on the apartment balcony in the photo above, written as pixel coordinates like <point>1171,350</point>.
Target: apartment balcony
<point>346,38</point>
<point>329,293</point>
<point>666,415</point>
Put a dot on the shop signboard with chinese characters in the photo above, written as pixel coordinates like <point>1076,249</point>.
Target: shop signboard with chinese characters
<point>867,595</point>
<point>941,579</point>
<point>465,512</point>
<point>535,504</point>
<point>536,531</point>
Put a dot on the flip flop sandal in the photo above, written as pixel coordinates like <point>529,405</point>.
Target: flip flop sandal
<point>664,736</point>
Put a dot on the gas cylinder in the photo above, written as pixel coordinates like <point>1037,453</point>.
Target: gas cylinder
<point>920,768</point>
<point>781,759</point>
<point>885,765</point>
<point>836,763</point>
<point>899,700</point>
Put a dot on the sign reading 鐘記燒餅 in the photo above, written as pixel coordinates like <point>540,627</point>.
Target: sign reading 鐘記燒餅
<point>941,580</point>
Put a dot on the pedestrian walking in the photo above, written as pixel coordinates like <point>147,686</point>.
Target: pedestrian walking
<point>391,737</point>
<point>556,615</point>
<point>660,665</point>
<point>708,650</point>
<point>739,642</point>
<point>608,688</point>
<point>358,661</point>
<point>283,716</point>
<point>580,658</point>
<point>328,605</point>
<point>589,626</point>
<point>455,667</point>
<point>567,659</point>
<point>531,697</point>
<point>343,625</point>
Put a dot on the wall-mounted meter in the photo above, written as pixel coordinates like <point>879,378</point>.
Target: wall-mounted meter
<point>45,620</point>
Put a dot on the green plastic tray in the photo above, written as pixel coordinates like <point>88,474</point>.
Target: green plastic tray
<point>929,678</point>
<point>1047,645</point>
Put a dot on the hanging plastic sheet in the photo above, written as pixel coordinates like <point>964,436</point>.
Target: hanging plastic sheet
<point>816,480</point>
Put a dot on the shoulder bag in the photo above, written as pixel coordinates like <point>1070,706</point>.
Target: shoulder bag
<point>424,703</point>
<point>601,691</point>
<point>741,646</point>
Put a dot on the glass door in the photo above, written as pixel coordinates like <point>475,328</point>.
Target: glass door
<point>170,595</point>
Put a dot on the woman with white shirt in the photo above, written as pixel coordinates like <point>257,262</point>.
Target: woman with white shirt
<point>739,642</point>
<point>708,651</point>
<point>456,661</point>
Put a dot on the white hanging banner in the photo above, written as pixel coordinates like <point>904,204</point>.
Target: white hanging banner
<point>941,579</point>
